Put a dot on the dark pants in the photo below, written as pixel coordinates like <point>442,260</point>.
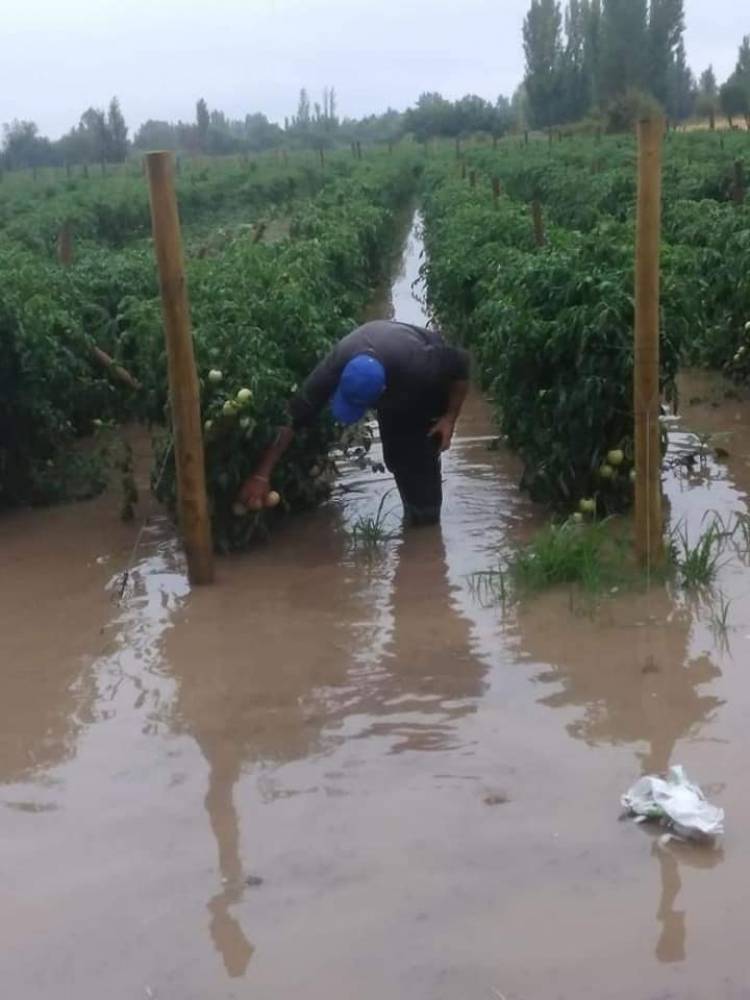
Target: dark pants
<point>414,459</point>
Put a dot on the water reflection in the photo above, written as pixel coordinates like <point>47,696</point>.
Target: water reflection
<point>226,931</point>
<point>428,678</point>
<point>671,944</point>
<point>629,673</point>
<point>628,670</point>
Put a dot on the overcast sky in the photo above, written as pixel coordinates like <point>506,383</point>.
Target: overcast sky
<point>57,57</point>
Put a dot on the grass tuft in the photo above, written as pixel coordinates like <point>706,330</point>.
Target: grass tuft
<point>371,531</point>
<point>698,561</point>
<point>590,555</point>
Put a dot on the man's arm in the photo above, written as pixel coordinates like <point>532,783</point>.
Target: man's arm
<point>455,369</point>
<point>304,408</point>
<point>446,425</point>
<point>255,489</point>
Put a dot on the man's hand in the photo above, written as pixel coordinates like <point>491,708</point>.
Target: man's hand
<point>443,430</point>
<point>254,492</point>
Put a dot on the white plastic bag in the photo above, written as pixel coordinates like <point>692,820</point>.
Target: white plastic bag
<point>675,802</point>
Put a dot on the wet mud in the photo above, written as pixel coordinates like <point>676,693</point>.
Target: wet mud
<point>336,774</point>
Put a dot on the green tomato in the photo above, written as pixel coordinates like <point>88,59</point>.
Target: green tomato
<point>208,425</point>
<point>215,376</point>
<point>587,505</point>
<point>606,471</point>
<point>616,457</point>
<point>229,408</point>
<point>244,396</point>
<point>578,517</point>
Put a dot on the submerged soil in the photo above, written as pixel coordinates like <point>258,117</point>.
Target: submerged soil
<point>334,775</point>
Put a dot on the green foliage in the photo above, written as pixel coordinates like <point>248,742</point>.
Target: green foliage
<point>593,556</point>
<point>262,313</point>
<point>552,327</point>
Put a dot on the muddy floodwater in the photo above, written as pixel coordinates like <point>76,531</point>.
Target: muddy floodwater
<point>331,776</point>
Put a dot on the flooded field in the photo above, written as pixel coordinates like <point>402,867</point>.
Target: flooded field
<point>335,776</point>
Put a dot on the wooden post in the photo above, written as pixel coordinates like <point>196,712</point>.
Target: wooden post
<point>472,178</point>
<point>525,137</point>
<point>738,188</point>
<point>65,245</point>
<point>359,150</point>
<point>183,380</point>
<point>648,503</point>
<point>463,170</point>
<point>496,189</point>
<point>494,140</point>
<point>322,159</point>
<point>458,148</point>
<point>536,214</point>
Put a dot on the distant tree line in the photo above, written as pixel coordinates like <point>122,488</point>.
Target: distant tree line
<point>99,137</point>
<point>102,137</point>
<point>591,57</point>
<point>607,57</point>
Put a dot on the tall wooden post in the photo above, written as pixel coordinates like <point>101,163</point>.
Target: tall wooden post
<point>65,245</point>
<point>495,189</point>
<point>738,187</point>
<point>648,501</point>
<point>183,380</point>
<point>536,214</point>
<point>473,178</point>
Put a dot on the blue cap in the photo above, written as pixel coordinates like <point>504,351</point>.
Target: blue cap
<point>361,384</point>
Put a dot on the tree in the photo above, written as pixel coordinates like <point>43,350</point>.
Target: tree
<point>574,97</point>
<point>202,123</point>
<point>707,101</point>
<point>301,121</point>
<point>592,50</point>
<point>94,135</point>
<point>666,28</point>
<point>624,34</point>
<point>743,61</point>
<point>156,135</point>
<point>734,99</point>
<point>118,133</point>
<point>261,134</point>
<point>542,47</point>
<point>681,87</point>
<point>24,147</point>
